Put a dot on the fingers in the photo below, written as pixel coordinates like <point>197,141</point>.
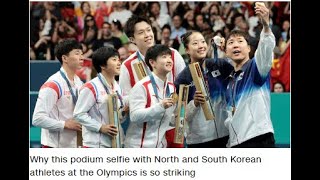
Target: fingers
<point>168,102</point>
<point>126,108</point>
<point>112,130</point>
<point>73,125</point>
<point>263,13</point>
<point>261,9</point>
<point>199,95</point>
<point>78,127</point>
<point>199,98</point>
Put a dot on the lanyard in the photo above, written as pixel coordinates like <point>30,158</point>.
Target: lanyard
<point>154,85</point>
<point>233,89</point>
<point>205,77</point>
<point>74,97</point>
<point>233,92</point>
<point>105,87</point>
<point>107,91</point>
<point>215,53</point>
<point>144,63</point>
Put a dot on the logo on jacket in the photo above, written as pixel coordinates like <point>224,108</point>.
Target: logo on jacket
<point>240,76</point>
<point>216,73</point>
<point>191,84</point>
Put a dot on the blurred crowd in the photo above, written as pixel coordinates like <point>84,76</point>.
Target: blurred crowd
<point>98,24</point>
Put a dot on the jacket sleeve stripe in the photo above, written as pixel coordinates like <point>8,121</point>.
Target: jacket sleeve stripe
<point>92,89</point>
<point>145,85</point>
<point>129,67</point>
<point>53,85</point>
<point>143,133</point>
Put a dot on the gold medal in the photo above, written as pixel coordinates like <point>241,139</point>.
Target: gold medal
<point>174,97</point>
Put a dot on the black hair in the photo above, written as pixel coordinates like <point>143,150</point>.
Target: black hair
<point>106,22</point>
<point>218,8</point>
<point>101,56</point>
<point>156,51</point>
<point>176,14</point>
<point>132,21</point>
<point>233,18</point>
<point>185,38</point>
<point>279,82</point>
<point>117,23</point>
<point>86,28</point>
<point>219,31</point>
<point>149,6</point>
<point>166,26</point>
<point>65,47</point>
<point>90,16</point>
<point>243,34</point>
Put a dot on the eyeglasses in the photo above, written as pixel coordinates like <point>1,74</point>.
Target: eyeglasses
<point>89,20</point>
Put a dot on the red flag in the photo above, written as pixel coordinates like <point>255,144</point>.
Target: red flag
<point>285,69</point>
<point>274,72</point>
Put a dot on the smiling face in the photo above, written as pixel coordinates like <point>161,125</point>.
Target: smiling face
<point>237,48</point>
<point>197,47</point>
<point>176,21</point>
<point>163,64</point>
<point>143,35</point>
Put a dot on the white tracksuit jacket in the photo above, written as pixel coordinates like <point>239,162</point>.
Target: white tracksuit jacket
<point>92,112</point>
<point>54,105</point>
<point>128,77</point>
<point>249,90</point>
<point>148,119</point>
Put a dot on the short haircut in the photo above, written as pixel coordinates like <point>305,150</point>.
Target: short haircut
<point>236,33</point>
<point>132,21</point>
<point>65,47</point>
<point>233,18</point>
<point>101,56</point>
<point>156,51</point>
<point>166,26</point>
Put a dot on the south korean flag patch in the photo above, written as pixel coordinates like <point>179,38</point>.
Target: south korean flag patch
<point>240,76</point>
<point>215,73</point>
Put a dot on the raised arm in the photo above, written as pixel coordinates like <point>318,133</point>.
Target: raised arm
<point>264,52</point>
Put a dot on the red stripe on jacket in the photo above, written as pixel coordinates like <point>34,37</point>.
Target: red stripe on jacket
<point>129,67</point>
<point>145,85</point>
<point>53,86</point>
<point>90,86</point>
